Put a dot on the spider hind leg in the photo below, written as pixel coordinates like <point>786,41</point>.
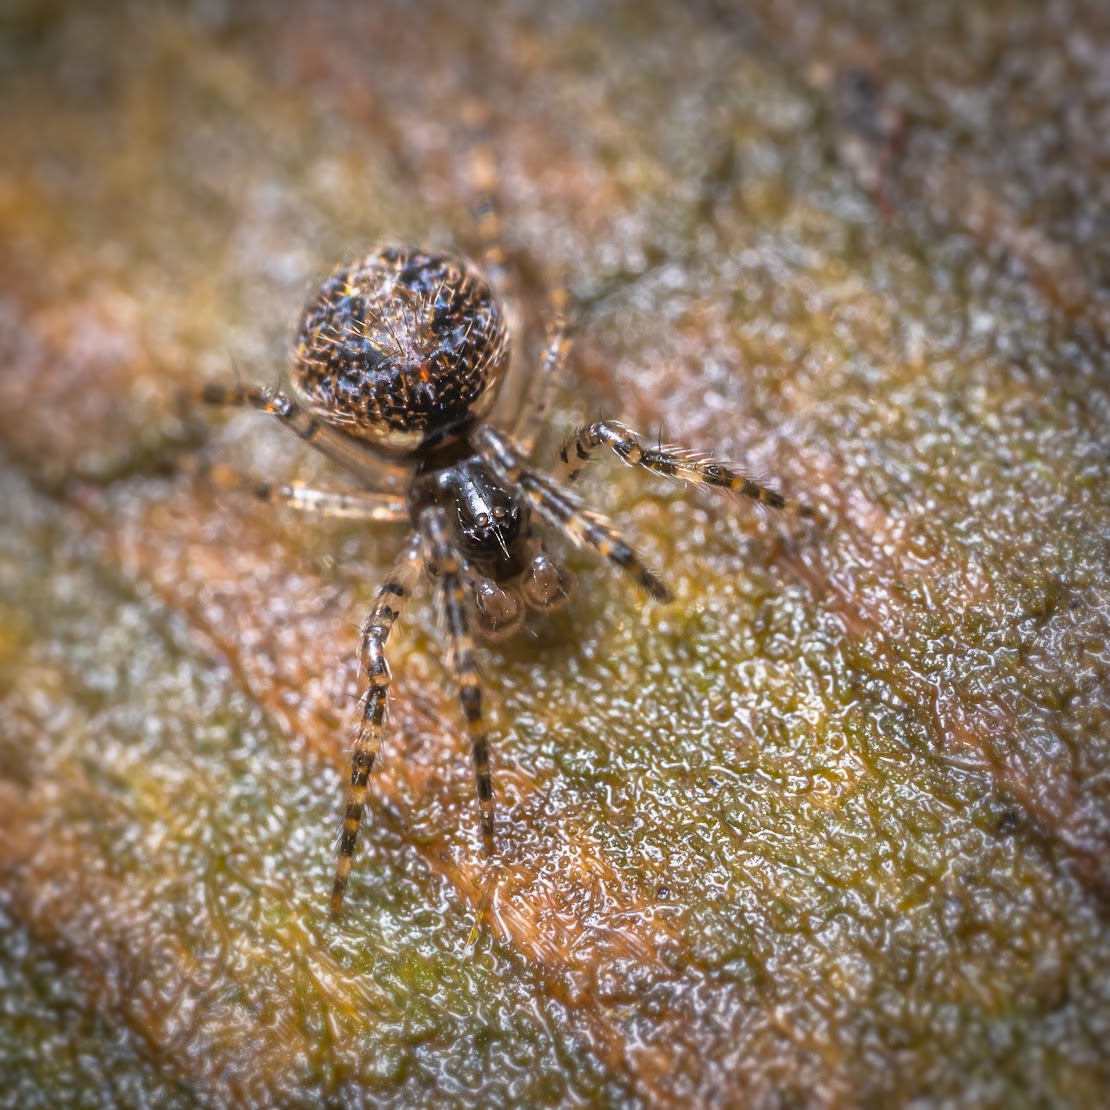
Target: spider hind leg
<point>544,388</point>
<point>371,466</point>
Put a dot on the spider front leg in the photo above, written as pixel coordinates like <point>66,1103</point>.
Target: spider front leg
<point>672,462</point>
<point>390,599</point>
<point>585,527</point>
<point>447,568</point>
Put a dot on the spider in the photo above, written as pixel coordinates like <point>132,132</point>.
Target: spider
<point>396,368</point>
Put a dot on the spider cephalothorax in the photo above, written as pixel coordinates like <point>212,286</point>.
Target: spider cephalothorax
<point>397,365</point>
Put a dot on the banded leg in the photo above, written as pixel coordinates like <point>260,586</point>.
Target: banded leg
<point>360,459</point>
<point>390,599</point>
<point>545,386</point>
<point>447,568</point>
<point>684,465</point>
<point>383,508</point>
<point>482,179</point>
<point>585,527</point>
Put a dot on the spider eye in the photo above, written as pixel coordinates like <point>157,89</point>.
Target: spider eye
<point>492,522</point>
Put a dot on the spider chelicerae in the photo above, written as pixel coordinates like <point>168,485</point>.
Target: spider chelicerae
<point>396,369</point>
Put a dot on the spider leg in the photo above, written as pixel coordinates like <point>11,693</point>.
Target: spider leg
<point>684,465</point>
<point>391,597</point>
<point>383,508</point>
<point>447,568</point>
<point>482,181</point>
<point>537,403</point>
<point>585,527</point>
<point>360,459</point>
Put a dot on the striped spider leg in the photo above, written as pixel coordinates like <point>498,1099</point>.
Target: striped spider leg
<point>391,598</point>
<point>672,462</point>
<point>446,566</point>
<point>372,467</point>
<point>559,506</point>
<point>543,390</point>
<point>431,547</point>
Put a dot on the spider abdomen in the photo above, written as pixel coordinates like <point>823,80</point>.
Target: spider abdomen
<point>401,347</point>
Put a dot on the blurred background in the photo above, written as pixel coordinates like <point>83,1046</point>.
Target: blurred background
<point>832,829</point>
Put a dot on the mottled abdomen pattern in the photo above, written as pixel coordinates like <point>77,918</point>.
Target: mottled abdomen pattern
<point>401,345</point>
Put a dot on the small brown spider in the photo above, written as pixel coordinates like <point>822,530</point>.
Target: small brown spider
<point>398,362</point>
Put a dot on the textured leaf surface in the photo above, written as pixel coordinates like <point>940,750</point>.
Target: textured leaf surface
<point>832,829</point>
